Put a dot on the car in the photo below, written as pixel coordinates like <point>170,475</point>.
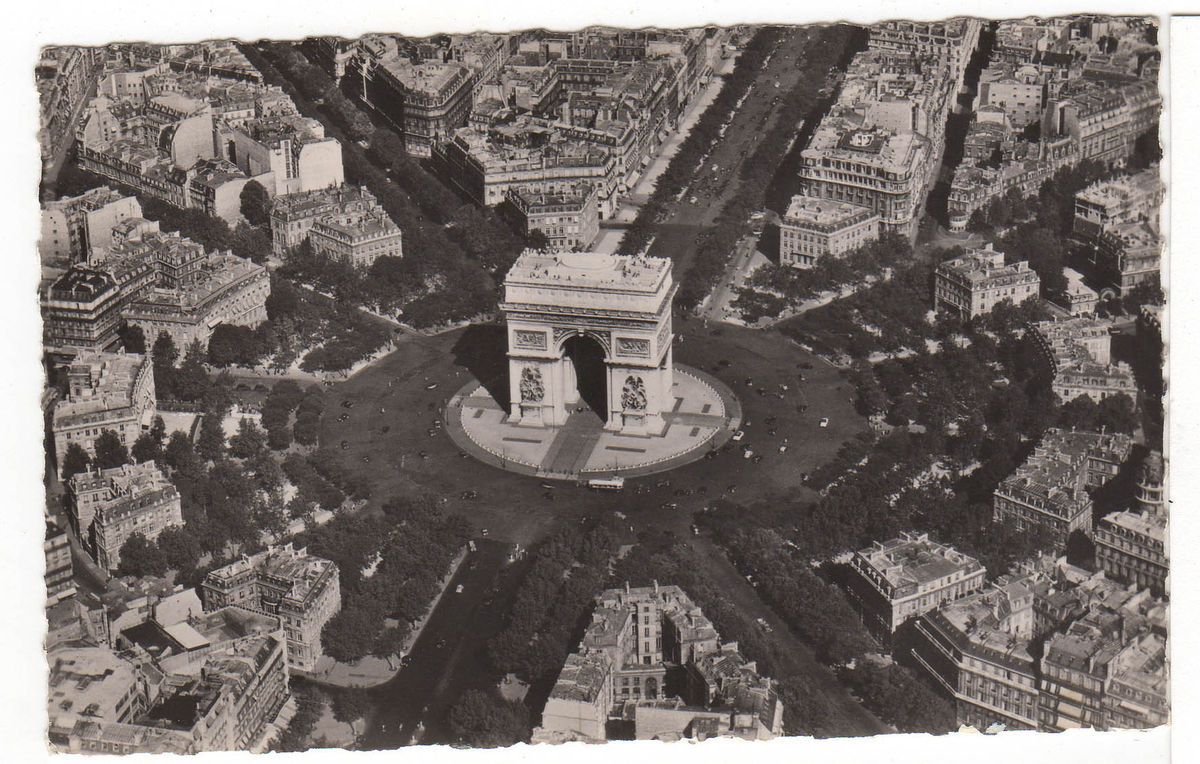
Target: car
<point>824,421</point>
<point>762,624</point>
<point>441,643</point>
<point>723,363</point>
<point>731,488</point>
<point>547,495</point>
<point>783,449</point>
<point>548,486</point>
<point>432,432</point>
<point>693,200</point>
<point>462,454</point>
<point>771,432</point>
<point>695,530</point>
<point>668,505</point>
<point>366,458</point>
<point>739,435</point>
<point>458,589</point>
<point>346,404</point>
<point>484,532</point>
<point>758,459</point>
<point>423,455</point>
<point>343,417</point>
<point>345,444</point>
<point>469,495</point>
<point>431,386</point>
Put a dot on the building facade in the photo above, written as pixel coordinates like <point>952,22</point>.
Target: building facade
<point>570,221</point>
<point>1049,492</point>
<point>893,581</point>
<point>303,591</point>
<point>357,238</point>
<point>814,228</point>
<point>974,283</point>
<point>106,507</point>
<point>618,305</point>
<point>107,391</point>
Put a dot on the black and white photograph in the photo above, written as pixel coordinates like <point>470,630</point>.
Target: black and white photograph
<point>603,383</point>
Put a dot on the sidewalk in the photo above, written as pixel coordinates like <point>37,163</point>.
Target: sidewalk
<point>370,671</point>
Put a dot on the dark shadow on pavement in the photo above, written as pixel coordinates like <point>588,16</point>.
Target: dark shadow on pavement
<point>481,351</point>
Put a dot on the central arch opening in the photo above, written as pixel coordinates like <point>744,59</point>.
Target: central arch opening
<point>587,362</point>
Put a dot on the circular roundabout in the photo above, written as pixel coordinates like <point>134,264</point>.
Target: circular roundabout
<point>705,414</point>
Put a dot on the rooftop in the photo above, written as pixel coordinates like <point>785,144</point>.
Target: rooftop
<point>583,270</point>
<point>914,560</point>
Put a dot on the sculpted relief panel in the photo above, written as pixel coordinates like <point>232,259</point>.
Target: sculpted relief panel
<point>532,388</point>
<point>529,340</point>
<point>633,396</point>
<point>634,347</point>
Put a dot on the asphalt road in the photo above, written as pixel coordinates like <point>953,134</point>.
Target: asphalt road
<point>449,657</point>
<point>404,394</point>
<point>716,179</point>
<point>793,655</point>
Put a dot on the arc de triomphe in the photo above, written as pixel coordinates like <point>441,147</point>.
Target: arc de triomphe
<point>621,303</point>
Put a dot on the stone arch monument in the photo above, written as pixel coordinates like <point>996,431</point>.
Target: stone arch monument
<point>621,303</point>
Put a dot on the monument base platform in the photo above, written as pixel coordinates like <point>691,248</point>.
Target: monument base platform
<point>705,414</point>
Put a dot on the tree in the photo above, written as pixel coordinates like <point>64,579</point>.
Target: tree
<point>165,354</point>
<point>180,456</point>
<point>485,720</point>
<point>250,243</point>
<point>110,451</point>
<point>350,634</point>
<point>180,549</point>
<point>211,442</point>
<point>1116,413</point>
<point>1081,550</point>
<point>146,449</point>
<point>351,704</point>
<point>133,339</point>
<point>141,557</point>
<point>255,203</point>
<point>75,461</point>
<point>192,381</point>
<point>249,442</point>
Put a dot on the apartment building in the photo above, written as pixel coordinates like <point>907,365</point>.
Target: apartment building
<point>59,570</point>
<point>210,684</point>
<point>1131,545</point>
<point>1110,203</point>
<point>107,391</point>
<point>1077,352</point>
<point>106,507</point>
<point>635,636</point>
<point>303,591</point>
<point>358,238</point>
<point>570,221</point>
<point>974,283</point>
<point>223,289</point>
<point>813,228</point>
<point>425,100</point>
<point>74,226</point>
<point>978,649</point>
<point>293,216</point>
<point>895,580</point>
<point>1049,492</point>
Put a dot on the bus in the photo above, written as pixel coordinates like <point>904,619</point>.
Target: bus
<point>608,484</point>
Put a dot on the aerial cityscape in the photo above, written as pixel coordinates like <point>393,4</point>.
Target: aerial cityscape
<point>609,384</point>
